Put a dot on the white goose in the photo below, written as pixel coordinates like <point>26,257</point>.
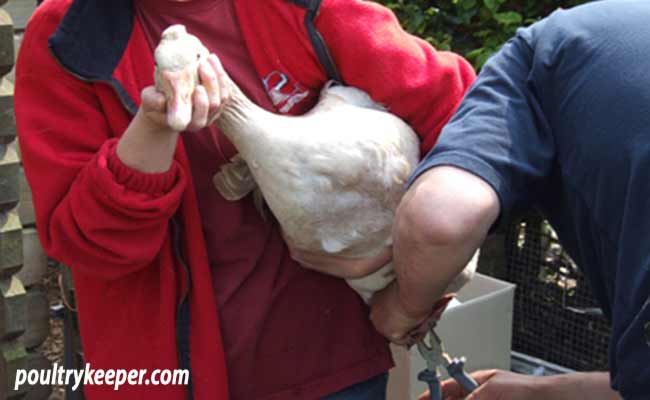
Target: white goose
<point>332,177</point>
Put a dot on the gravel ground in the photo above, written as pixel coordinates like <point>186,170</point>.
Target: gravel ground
<point>53,346</point>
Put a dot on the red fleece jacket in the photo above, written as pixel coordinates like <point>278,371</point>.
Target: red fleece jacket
<point>111,224</point>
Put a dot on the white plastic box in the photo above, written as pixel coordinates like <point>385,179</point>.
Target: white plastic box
<point>479,328</point>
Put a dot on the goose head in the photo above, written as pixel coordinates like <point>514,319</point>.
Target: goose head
<point>177,59</point>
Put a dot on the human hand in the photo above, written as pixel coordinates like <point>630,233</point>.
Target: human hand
<point>179,105</point>
<point>396,323</point>
<point>342,267</point>
<point>496,385</point>
<point>149,142</point>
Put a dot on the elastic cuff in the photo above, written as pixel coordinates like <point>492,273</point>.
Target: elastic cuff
<point>156,184</point>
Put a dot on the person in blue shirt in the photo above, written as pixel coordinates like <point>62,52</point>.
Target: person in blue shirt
<point>559,119</point>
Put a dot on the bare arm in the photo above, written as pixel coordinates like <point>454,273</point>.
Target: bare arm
<point>502,385</point>
<point>440,223</point>
<point>585,386</point>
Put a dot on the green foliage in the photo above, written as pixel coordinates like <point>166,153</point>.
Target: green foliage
<point>473,28</point>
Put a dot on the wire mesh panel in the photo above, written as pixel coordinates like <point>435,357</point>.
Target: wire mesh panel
<point>555,315</point>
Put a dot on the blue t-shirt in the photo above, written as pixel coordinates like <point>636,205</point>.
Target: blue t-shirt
<point>560,119</point>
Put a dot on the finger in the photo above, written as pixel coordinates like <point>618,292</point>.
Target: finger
<point>427,396</point>
<point>386,254</point>
<point>485,391</point>
<point>312,258</point>
<point>451,388</point>
<point>319,267</point>
<point>483,376</point>
<point>482,393</point>
<point>153,100</point>
<point>406,341</point>
<point>345,267</point>
<point>200,109</point>
<point>370,265</point>
<point>303,258</point>
<point>417,335</point>
<point>222,77</point>
<point>209,80</point>
<point>424,396</point>
<point>303,254</point>
<point>422,329</point>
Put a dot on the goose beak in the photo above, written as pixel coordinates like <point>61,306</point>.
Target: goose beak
<point>178,87</point>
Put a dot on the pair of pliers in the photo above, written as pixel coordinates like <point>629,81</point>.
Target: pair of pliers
<point>435,356</point>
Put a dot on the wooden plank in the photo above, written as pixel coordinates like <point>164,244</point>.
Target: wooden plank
<point>13,309</point>
<point>7,53</point>
<point>9,174</point>
<point>11,244</point>
<point>12,357</point>
<point>20,11</point>
<point>34,259</point>
<point>36,361</point>
<point>38,318</point>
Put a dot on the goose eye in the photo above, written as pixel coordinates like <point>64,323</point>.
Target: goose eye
<point>198,56</point>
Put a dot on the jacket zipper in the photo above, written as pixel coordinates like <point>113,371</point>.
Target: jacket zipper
<point>183,311</point>
<point>178,252</point>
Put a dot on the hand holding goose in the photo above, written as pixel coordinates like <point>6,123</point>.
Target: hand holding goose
<point>192,80</point>
<point>332,177</point>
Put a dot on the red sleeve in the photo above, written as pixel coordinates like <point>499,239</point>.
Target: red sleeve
<point>93,213</point>
<point>404,73</point>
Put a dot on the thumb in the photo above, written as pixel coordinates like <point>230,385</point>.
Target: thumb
<point>424,396</point>
<point>484,392</point>
<point>152,100</point>
<point>452,389</point>
<point>480,394</point>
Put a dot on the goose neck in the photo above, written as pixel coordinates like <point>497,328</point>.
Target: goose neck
<point>239,114</point>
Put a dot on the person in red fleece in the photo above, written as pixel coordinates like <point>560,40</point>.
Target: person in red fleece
<point>168,273</point>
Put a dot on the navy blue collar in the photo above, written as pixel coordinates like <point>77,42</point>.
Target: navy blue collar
<point>91,39</point>
<point>93,36</point>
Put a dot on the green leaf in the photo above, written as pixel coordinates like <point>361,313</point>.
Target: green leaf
<point>509,18</point>
<point>472,28</point>
<point>482,59</point>
<point>492,5</point>
<point>475,53</point>
<point>468,4</point>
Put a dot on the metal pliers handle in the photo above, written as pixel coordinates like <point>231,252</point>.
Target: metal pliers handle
<point>435,356</point>
<point>456,370</point>
<point>432,379</point>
